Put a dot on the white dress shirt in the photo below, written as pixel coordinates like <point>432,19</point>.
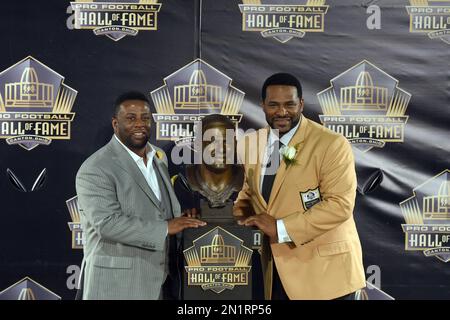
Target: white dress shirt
<point>283,236</point>
<point>147,170</point>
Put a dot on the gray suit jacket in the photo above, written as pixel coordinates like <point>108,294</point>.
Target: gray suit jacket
<point>125,247</point>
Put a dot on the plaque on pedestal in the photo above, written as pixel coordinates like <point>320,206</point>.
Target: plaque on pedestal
<point>218,262</point>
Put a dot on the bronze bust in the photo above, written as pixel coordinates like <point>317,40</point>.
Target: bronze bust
<point>218,175</point>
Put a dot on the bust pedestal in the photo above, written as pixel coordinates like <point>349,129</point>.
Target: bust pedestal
<point>218,257</point>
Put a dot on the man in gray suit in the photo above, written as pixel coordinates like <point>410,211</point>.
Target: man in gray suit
<point>128,210</point>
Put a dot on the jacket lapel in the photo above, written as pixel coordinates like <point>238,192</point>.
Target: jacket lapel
<point>298,138</point>
<point>160,165</point>
<point>123,160</point>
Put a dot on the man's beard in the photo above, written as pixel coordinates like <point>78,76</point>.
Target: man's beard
<point>136,145</point>
<point>294,122</point>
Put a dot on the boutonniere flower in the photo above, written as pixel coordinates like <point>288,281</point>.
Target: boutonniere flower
<point>289,153</point>
<point>160,155</point>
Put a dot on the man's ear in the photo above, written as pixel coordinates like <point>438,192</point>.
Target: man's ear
<point>302,104</point>
<point>114,123</point>
<point>262,105</point>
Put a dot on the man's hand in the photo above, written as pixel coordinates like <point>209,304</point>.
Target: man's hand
<point>179,224</point>
<point>264,222</point>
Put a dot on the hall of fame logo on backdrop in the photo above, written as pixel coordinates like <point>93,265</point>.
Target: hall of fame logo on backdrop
<point>427,217</point>
<point>366,106</point>
<point>35,105</point>
<point>189,94</point>
<point>116,19</point>
<point>218,260</point>
<point>283,19</point>
<point>75,225</point>
<point>28,289</point>
<point>431,17</point>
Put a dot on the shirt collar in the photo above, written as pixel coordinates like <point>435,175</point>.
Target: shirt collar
<point>286,138</point>
<point>135,157</point>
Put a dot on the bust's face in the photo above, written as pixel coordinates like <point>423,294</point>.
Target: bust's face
<point>216,147</point>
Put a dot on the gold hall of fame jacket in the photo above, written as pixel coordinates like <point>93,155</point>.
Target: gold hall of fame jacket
<point>315,198</point>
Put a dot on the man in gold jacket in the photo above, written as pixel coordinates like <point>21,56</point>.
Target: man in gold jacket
<point>299,190</point>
